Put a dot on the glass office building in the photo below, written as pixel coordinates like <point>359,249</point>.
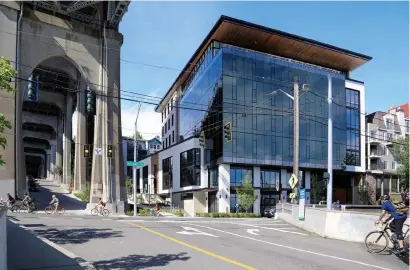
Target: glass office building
<point>235,85</point>
<point>234,77</point>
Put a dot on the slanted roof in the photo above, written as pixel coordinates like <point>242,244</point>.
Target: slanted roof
<point>260,38</point>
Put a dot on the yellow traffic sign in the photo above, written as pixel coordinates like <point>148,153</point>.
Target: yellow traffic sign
<point>293,181</point>
<point>292,195</point>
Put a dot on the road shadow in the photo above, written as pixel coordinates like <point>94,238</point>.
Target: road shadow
<point>141,261</point>
<point>77,235</point>
<point>47,188</point>
<point>26,251</point>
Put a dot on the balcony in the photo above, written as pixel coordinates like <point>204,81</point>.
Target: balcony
<point>375,153</point>
<point>377,167</point>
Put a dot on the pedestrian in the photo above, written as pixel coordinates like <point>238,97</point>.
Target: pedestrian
<point>237,208</point>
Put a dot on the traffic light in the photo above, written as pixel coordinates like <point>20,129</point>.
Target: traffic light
<point>109,152</point>
<point>228,131</point>
<point>202,142</point>
<point>86,150</point>
<point>32,88</point>
<point>90,100</point>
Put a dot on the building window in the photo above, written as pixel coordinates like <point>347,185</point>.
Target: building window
<point>172,117</point>
<point>393,184</point>
<point>145,179</point>
<point>393,165</point>
<point>353,126</point>
<point>167,173</point>
<point>169,123</point>
<point>162,117</point>
<point>162,131</point>
<point>213,177</point>
<point>269,178</point>
<point>169,140</point>
<point>190,166</point>
<point>388,124</point>
<point>238,175</point>
<point>390,137</point>
<point>173,136</point>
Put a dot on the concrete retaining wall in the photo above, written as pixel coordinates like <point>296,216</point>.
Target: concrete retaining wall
<point>348,226</point>
<point>3,238</point>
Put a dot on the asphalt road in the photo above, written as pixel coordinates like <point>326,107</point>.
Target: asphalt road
<point>175,243</point>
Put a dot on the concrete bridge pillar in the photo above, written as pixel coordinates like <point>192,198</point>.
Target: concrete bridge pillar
<point>67,141</point>
<point>80,162</point>
<point>59,152</point>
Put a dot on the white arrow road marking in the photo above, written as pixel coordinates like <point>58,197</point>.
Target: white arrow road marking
<point>193,231</point>
<point>253,231</point>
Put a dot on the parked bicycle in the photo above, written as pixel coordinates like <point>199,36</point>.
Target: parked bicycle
<point>51,209</point>
<point>378,241</point>
<point>102,211</point>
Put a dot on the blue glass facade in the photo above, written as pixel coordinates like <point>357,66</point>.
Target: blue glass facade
<point>263,125</point>
<point>234,84</point>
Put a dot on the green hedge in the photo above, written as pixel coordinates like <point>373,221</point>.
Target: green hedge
<point>82,197</point>
<point>229,215</point>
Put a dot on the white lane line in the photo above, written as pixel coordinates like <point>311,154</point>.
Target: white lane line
<point>293,248</point>
<point>77,218</point>
<point>267,228</point>
<point>107,219</point>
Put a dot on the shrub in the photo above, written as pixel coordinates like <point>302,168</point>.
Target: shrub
<point>179,213</point>
<point>143,212</point>
<point>130,213</point>
<point>82,197</point>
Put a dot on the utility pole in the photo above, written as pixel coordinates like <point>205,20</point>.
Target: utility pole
<point>329,145</point>
<point>296,132</point>
<point>134,168</point>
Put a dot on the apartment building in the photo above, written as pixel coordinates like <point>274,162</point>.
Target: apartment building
<point>229,79</point>
<point>381,166</point>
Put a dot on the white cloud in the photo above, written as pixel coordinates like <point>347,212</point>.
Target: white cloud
<point>149,122</point>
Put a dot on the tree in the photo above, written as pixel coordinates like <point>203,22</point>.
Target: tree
<point>350,159</point>
<point>138,135</point>
<point>317,190</point>
<point>365,193</point>
<point>6,74</point>
<point>246,195</point>
<point>401,154</point>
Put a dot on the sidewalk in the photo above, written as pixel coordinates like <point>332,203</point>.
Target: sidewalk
<point>26,251</point>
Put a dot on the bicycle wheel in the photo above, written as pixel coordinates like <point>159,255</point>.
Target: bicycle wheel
<point>105,212</point>
<point>60,210</point>
<point>34,208</point>
<point>49,209</point>
<point>15,208</point>
<point>376,241</point>
<point>94,211</point>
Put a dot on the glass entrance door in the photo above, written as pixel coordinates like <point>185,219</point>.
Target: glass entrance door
<point>213,203</point>
<point>269,200</point>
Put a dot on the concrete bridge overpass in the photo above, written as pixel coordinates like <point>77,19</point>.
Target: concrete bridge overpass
<point>69,46</point>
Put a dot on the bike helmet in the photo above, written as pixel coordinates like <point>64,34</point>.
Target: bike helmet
<point>385,197</point>
<point>53,196</point>
<point>25,193</point>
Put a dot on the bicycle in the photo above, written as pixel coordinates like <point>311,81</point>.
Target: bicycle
<point>95,211</point>
<point>383,237</point>
<point>51,208</point>
<point>13,208</point>
<point>33,208</point>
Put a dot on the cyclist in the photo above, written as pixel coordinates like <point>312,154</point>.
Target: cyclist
<point>54,201</point>
<point>10,200</point>
<point>396,226</point>
<point>100,205</point>
<point>27,201</point>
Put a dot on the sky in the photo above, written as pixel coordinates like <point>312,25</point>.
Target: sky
<point>166,34</point>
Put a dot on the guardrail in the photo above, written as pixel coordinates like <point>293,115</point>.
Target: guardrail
<point>3,237</point>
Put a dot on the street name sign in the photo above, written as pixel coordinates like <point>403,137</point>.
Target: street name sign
<point>135,164</point>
